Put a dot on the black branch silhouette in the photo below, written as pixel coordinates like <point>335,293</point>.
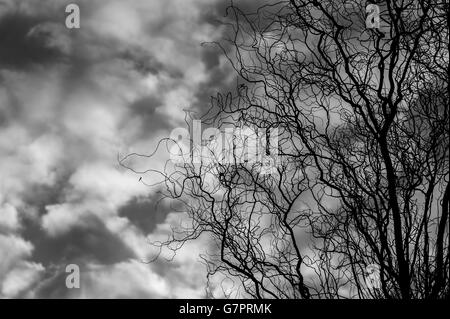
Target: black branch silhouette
<point>354,122</point>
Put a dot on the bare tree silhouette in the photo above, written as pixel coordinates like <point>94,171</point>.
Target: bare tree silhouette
<point>358,119</point>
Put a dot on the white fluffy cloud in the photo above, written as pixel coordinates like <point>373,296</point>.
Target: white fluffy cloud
<point>12,249</point>
<point>16,274</point>
<point>67,109</point>
<point>9,219</point>
<point>20,278</point>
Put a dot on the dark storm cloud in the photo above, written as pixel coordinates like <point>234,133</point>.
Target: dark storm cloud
<point>39,196</point>
<point>20,48</point>
<point>53,286</point>
<point>143,63</point>
<point>146,213</point>
<point>90,242</point>
<point>211,56</point>
<point>144,110</point>
<point>218,78</point>
<point>218,74</point>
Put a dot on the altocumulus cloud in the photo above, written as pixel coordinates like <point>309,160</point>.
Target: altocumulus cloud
<point>70,102</point>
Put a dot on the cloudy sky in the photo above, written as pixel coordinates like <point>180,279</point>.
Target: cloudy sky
<point>71,101</point>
